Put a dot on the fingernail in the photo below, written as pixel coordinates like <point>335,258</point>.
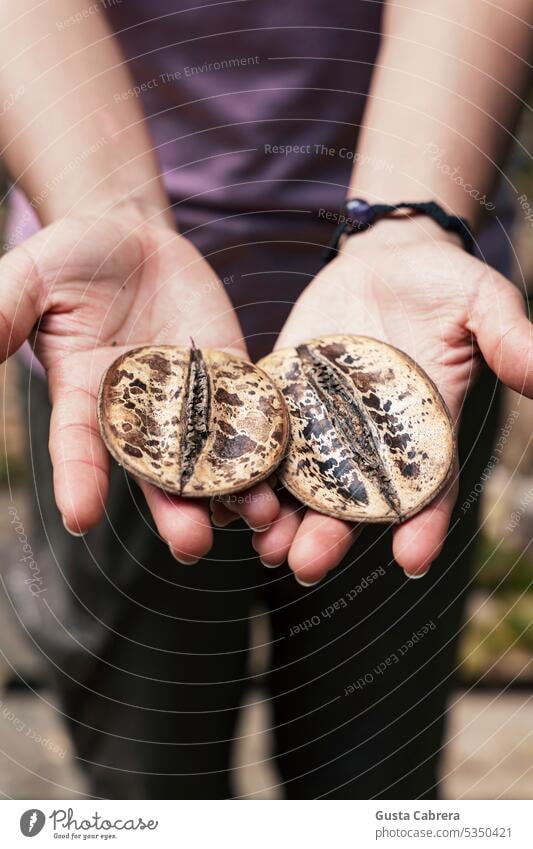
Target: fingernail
<point>219,524</point>
<point>418,574</point>
<point>306,583</point>
<point>70,531</point>
<point>260,530</point>
<point>183,558</point>
<point>271,565</point>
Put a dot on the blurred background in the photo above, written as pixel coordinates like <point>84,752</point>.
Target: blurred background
<point>489,752</point>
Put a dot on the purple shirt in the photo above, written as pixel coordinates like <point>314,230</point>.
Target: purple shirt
<point>249,101</point>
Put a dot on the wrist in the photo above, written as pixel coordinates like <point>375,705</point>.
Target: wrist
<point>139,210</point>
<point>150,204</point>
<point>398,231</point>
<point>429,174</point>
<point>404,229</point>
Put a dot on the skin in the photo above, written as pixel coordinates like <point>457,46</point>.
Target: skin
<point>109,223</point>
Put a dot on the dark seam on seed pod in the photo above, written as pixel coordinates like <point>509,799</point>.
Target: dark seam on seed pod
<point>343,406</point>
<point>197,412</point>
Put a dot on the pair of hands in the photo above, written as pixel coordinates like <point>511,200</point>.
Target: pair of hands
<point>87,289</point>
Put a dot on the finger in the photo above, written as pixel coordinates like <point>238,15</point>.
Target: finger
<point>274,544</point>
<point>319,545</point>
<point>20,295</point>
<point>183,523</point>
<point>503,331</point>
<point>79,459</point>
<point>258,506</point>
<point>417,543</point>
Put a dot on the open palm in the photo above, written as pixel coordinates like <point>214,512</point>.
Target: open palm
<point>85,290</point>
<point>445,309</point>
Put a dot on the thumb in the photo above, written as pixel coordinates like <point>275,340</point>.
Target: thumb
<point>503,331</point>
<point>20,300</point>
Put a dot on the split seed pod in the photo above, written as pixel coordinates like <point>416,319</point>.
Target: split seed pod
<point>193,422</point>
<point>371,438</point>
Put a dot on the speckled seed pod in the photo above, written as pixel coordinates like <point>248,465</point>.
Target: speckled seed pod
<point>193,422</point>
<point>371,438</point>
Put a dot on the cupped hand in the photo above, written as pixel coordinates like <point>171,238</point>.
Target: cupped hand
<point>85,289</point>
<point>418,290</point>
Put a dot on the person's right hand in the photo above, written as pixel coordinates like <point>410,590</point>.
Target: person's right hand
<point>89,288</point>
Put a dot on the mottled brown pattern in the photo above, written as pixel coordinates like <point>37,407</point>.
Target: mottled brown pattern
<point>371,438</point>
<point>197,423</point>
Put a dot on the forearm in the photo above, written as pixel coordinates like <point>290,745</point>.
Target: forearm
<point>444,100</point>
<point>66,139</point>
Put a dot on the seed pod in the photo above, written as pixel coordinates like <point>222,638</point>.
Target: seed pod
<point>371,438</point>
<point>193,422</point>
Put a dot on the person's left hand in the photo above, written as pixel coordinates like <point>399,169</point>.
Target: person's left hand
<point>416,289</point>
